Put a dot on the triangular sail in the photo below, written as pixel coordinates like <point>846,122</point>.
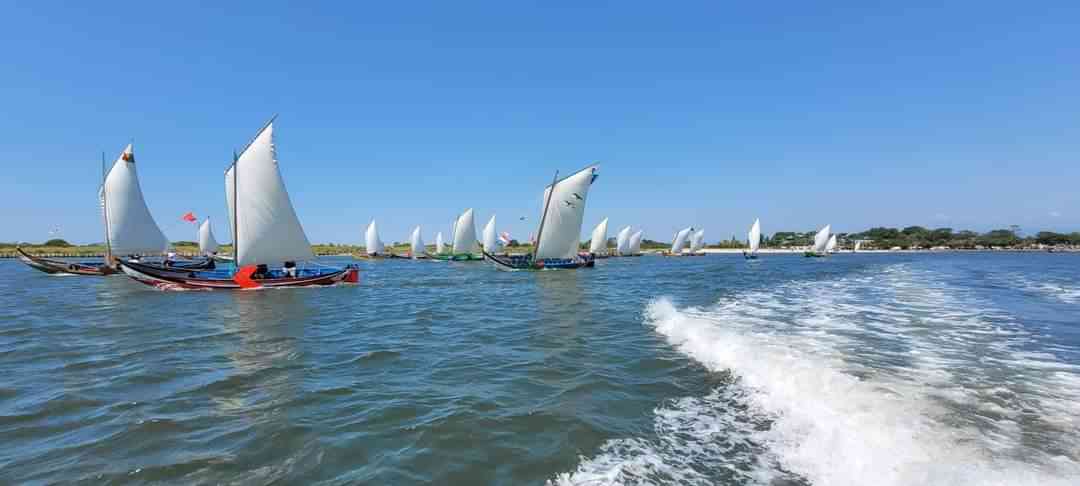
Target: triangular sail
<point>372,243</point>
<point>440,247</point>
<point>858,245</point>
<point>754,238</point>
<point>635,242</point>
<point>821,239</point>
<point>697,242</point>
<point>131,228</point>
<point>208,245</point>
<point>491,239</point>
<point>831,245</point>
<point>465,234</point>
<point>416,243</point>
<point>679,241</point>
<point>561,232</point>
<point>622,241</point>
<point>266,227</point>
<point>598,242</point>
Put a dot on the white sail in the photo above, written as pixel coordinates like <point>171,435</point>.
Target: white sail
<point>622,241</point>
<point>266,227</point>
<point>635,243</point>
<point>754,238</point>
<point>831,245</point>
<point>858,245</point>
<point>491,239</point>
<point>679,240</point>
<point>821,239</point>
<point>465,234</point>
<point>697,242</point>
<point>208,245</point>
<point>440,247</point>
<point>131,228</point>
<point>561,231</point>
<point>372,243</point>
<point>598,242</point>
<point>416,243</point>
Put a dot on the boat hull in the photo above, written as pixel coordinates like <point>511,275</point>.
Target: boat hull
<point>526,262</point>
<point>461,257</point>
<point>173,280</point>
<point>57,267</point>
<point>811,254</point>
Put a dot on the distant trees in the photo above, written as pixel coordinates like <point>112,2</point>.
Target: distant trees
<point>57,242</point>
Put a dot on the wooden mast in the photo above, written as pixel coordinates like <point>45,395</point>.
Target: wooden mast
<point>235,203</point>
<point>105,211</point>
<point>547,203</point>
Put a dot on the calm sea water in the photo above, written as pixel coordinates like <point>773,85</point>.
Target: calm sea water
<point>858,369</point>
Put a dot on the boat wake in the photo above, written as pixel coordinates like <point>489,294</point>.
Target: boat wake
<point>887,379</point>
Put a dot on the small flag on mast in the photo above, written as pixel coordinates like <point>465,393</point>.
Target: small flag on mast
<point>190,217</point>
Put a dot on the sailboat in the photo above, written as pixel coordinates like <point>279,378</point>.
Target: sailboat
<point>266,232</point>
<point>830,247</point>
<point>373,245</point>
<point>697,242</point>
<point>679,242</point>
<point>635,243</point>
<point>416,245</point>
<point>559,234</point>
<point>622,242</point>
<point>753,239</point>
<point>464,247</point>
<point>491,237</point>
<point>858,246</point>
<point>440,247</point>
<point>821,239</point>
<point>598,242</point>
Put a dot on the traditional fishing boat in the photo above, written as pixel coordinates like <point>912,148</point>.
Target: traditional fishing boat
<point>440,246</point>
<point>697,243</point>
<point>464,246</point>
<point>857,247</point>
<point>598,241</point>
<point>60,267</point>
<point>417,251</point>
<point>373,245</point>
<point>491,238</point>
<point>830,247</point>
<point>753,240</point>
<point>559,234</point>
<point>269,240</point>
<point>208,245</point>
<point>635,243</point>
<point>679,242</point>
<point>622,242</point>
<point>821,239</point>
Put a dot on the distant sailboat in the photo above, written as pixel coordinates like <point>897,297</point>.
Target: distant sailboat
<point>266,232</point>
<point>635,243</point>
<point>622,242</point>
<point>440,247</point>
<point>208,245</point>
<point>559,233</point>
<point>753,239</point>
<point>416,245</point>
<point>821,239</point>
<point>598,242</point>
<point>830,247</point>
<point>464,247</point>
<point>491,237</point>
<point>697,242</point>
<point>679,241</point>
<point>373,245</point>
<point>858,246</point>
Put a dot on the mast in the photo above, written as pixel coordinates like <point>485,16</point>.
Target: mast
<point>235,204</point>
<point>105,211</point>
<point>540,232</point>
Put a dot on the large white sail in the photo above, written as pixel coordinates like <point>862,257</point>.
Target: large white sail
<point>697,242</point>
<point>440,247</point>
<point>465,234</point>
<point>416,243</point>
<point>831,245</point>
<point>598,242</point>
<point>491,239</point>
<point>635,242</point>
<point>372,243</point>
<point>130,227</point>
<point>208,245</point>
<point>679,241</point>
<point>561,230</point>
<point>754,238</point>
<point>266,227</point>
<point>821,239</point>
<point>622,241</point>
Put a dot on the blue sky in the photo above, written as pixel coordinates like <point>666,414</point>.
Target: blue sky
<point>707,114</point>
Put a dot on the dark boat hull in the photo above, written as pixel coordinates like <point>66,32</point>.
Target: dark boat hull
<point>173,280</point>
<point>461,257</point>
<point>525,262</point>
<point>57,267</point>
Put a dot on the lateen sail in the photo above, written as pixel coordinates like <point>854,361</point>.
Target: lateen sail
<point>562,223</point>
<point>491,239</point>
<point>131,228</point>
<point>372,243</point>
<point>208,245</point>
<point>635,243</point>
<point>697,242</point>
<point>267,229</point>
<point>465,234</point>
<point>831,245</point>
<point>679,241</point>
<point>598,243</point>
<point>622,241</point>
<point>755,236</point>
<point>439,245</point>
<point>821,239</point>
<point>416,243</point>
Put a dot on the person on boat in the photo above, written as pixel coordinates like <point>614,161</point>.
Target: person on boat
<point>261,272</point>
<point>210,265</point>
<point>134,258</point>
<point>170,258</point>
<point>290,269</point>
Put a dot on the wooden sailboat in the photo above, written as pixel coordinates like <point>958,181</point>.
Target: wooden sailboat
<point>491,238</point>
<point>417,250</point>
<point>559,234</point>
<point>464,247</point>
<point>753,239</point>
<point>635,243</point>
<point>60,267</point>
<point>622,242</point>
<point>266,233</point>
<point>821,239</point>
<point>373,245</point>
<point>697,243</point>
<point>679,242</point>
<point>598,241</point>
<point>208,245</point>
<point>830,247</point>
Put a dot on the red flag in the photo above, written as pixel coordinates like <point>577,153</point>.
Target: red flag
<point>190,217</point>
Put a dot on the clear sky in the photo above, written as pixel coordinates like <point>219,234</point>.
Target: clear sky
<point>707,114</point>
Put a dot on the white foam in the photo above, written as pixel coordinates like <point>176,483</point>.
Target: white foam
<point>890,379</point>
